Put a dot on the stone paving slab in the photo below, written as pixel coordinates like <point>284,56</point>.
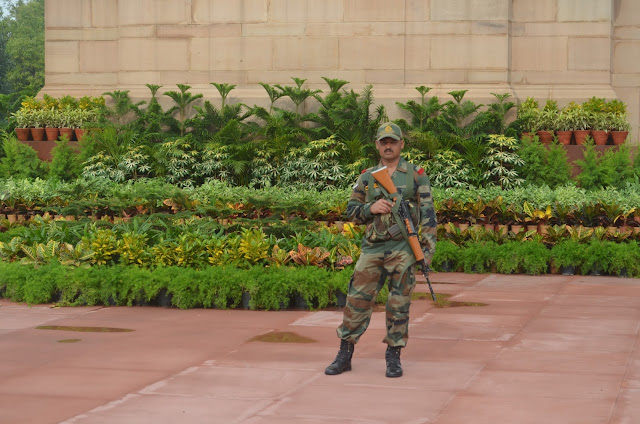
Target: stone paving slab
<point>552,349</point>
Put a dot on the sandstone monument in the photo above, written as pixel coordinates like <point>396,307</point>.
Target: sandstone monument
<point>559,49</point>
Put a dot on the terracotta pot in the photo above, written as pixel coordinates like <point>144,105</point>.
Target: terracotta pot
<point>491,227</point>
<point>600,137</point>
<point>79,133</point>
<point>619,137</point>
<point>542,229</point>
<point>23,134</point>
<point>52,133</point>
<point>580,135</point>
<point>37,134</point>
<point>516,228</point>
<point>502,229</point>
<point>545,137</point>
<point>564,137</point>
<point>68,132</point>
<point>463,226</point>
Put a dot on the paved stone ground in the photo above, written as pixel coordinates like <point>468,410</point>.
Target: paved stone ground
<point>551,349</point>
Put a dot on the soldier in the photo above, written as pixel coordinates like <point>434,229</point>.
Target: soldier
<point>385,252</point>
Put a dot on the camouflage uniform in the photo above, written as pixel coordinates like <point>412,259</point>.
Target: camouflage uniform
<point>386,253</point>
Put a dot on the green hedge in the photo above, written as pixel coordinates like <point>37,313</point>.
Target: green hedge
<point>600,257</point>
<point>213,287</point>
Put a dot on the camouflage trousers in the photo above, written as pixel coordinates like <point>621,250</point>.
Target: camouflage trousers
<point>371,271</point>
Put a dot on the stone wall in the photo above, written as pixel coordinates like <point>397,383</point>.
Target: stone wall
<point>560,49</point>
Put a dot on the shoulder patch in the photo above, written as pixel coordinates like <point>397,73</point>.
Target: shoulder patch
<point>420,171</point>
<point>363,171</point>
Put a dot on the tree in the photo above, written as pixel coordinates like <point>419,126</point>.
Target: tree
<point>5,62</point>
<point>24,27</point>
<point>21,53</point>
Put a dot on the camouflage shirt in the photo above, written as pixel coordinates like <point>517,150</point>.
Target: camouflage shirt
<point>382,232</point>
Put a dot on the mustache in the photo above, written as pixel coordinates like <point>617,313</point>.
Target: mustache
<point>389,150</point>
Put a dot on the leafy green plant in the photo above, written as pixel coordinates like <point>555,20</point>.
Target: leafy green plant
<point>534,156</point>
<point>20,160</point>
<point>274,94</point>
<point>104,244</point>
<point>448,169</point>
<point>567,253</point>
<point>177,161</point>
<point>122,108</point>
<point>590,176</point>
<point>12,250</point>
<point>618,123</point>
<point>535,257</point>
<point>456,114</point>
<point>527,116</point>
<point>118,155</point>
<point>296,93</point>
<point>183,100</point>
<point>254,246</point>
<point>65,162</point>
<point>507,258</point>
<point>424,113</point>
<point>446,256</point>
<point>477,257</point>
<point>497,115</point>
<point>132,249</point>
<point>596,257</point>
<point>625,259</point>
<point>556,169</point>
<point>40,253</point>
<point>502,161</point>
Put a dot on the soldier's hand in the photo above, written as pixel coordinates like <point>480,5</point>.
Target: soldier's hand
<point>381,206</point>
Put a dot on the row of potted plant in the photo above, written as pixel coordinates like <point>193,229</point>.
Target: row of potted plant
<point>194,244</point>
<point>51,118</point>
<point>498,214</point>
<point>598,118</point>
<point>551,236</point>
<point>202,243</point>
<point>212,287</point>
<point>568,257</point>
<point>485,206</point>
<point>275,288</point>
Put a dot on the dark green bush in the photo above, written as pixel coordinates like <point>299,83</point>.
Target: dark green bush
<point>534,257</point>
<point>567,253</point>
<point>446,252</point>
<point>477,257</point>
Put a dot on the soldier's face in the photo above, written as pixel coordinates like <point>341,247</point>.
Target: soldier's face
<point>389,148</point>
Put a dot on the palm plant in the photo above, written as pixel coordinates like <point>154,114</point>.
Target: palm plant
<point>297,94</point>
<point>224,89</point>
<point>153,118</point>
<point>274,94</point>
<point>183,99</point>
<point>498,114</point>
<point>122,106</point>
<point>423,113</point>
<point>455,115</point>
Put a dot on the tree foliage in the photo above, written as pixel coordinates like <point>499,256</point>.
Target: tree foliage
<point>21,53</point>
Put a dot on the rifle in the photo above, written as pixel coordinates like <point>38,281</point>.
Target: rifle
<point>383,178</point>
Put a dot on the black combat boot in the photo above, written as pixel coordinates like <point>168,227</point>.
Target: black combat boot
<point>394,369</point>
<point>342,362</point>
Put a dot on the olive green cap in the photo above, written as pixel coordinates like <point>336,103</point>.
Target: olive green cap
<point>389,129</point>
